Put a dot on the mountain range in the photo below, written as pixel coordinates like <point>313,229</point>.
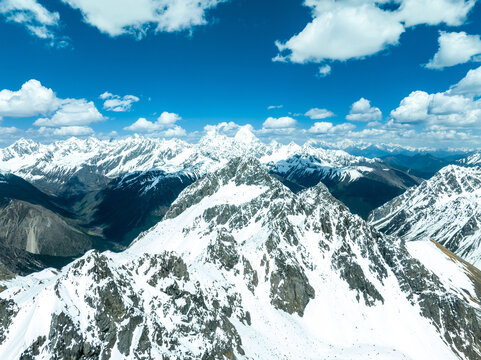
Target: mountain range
<point>241,267</point>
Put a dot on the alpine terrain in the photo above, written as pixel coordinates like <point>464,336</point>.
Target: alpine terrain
<point>241,267</point>
<point>72,168</point>
<point>445,208</point>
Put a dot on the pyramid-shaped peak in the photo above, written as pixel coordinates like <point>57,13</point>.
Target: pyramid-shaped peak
<point>238,172</point>
<point>245,135</point>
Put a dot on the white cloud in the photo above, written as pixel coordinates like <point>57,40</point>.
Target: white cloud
<point>72,112</point>
<point>48,132</point>
<point>470,85</point>
<point>413,108</point>
<point>321,127</point>
<point>434,12</point>
<point>348,29</point>
<point>31,100</point>
<point>275,107</point>
<point>165,121</point>
<point>142,125</point>
<point>368,133</point>
<point>324,70</point>
<point>176,131</point>
<point>228,128</point>
<point>318,114</point>
<point>440,109</point>
<point>118,103</point>
<point>37,19</point>
<point>341,31</point>
<point>324,127</point>
<point>455,48</point>
<point>73,131</point>
<point>362,110</point>
<point>114,17</point>
<point>8,130</point>
<point>279,123</point>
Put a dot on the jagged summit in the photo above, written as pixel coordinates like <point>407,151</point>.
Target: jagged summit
<point>57,164</point>
<point>245,135</point>
<point>445,208</point>
<point>473,159</point>
<point>243,268</point>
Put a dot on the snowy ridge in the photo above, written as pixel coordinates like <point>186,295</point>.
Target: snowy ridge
<point>471,160</point>
<point>445,208</point>
<point>62,160</point>
<point>242,268</point>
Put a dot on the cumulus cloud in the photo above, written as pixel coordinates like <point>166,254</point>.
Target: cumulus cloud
<point>228,128</point>
<point>31,100</point>
<point>142,125</point>
<point>72,112</point>
<point>318,114</point>
<point>8,130</point>
<point>136,17</point>
<point>73,131</point>
<point>342,30</point>
<point>118,103</point>
<point>434,12</point>
<point>36,18</point>
<point>324,127</point>
<point>164,122</point>
<point>167,119</point>
<point>279,123</point>
<point>443,109</point>
<point>64,131</point>
<point>455,48</point>
<point>175,131</point>
<point>362,110</point>
<point>324,70</point>
<point>470,85</point>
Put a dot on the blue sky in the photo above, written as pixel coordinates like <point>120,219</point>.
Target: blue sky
<point>213,62</point>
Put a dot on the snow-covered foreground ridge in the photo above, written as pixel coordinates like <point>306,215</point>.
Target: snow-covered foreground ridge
<point>242,268</point>
<point>445,208</point>
<point>60,161</point>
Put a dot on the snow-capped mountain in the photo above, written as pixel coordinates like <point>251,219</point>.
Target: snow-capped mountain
<point>74,167</point>
<point>243,268</point>
<point>445,208</point>
<point>361,184</point>
<point>76,162</point>
<point>473,159</point>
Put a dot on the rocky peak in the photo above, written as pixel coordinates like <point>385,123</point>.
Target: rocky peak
<point>239,260</point>
<point>238,171</point>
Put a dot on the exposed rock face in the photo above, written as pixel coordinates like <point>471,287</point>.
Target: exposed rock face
<point>135,202</point>
<point>242,268</point>
<point>74,166</point>
<point>40,231</point>
<point>445,208</point>
<point>14,261</point>
<point>362,185</point>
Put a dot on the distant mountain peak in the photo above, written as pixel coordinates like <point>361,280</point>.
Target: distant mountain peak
<point>245,135</point>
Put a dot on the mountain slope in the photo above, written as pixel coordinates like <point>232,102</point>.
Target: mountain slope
<point>33,221</point>
<point>135,202</point>
<point>242,268</point>
<point>445,208</point>
<point>362,186</point>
